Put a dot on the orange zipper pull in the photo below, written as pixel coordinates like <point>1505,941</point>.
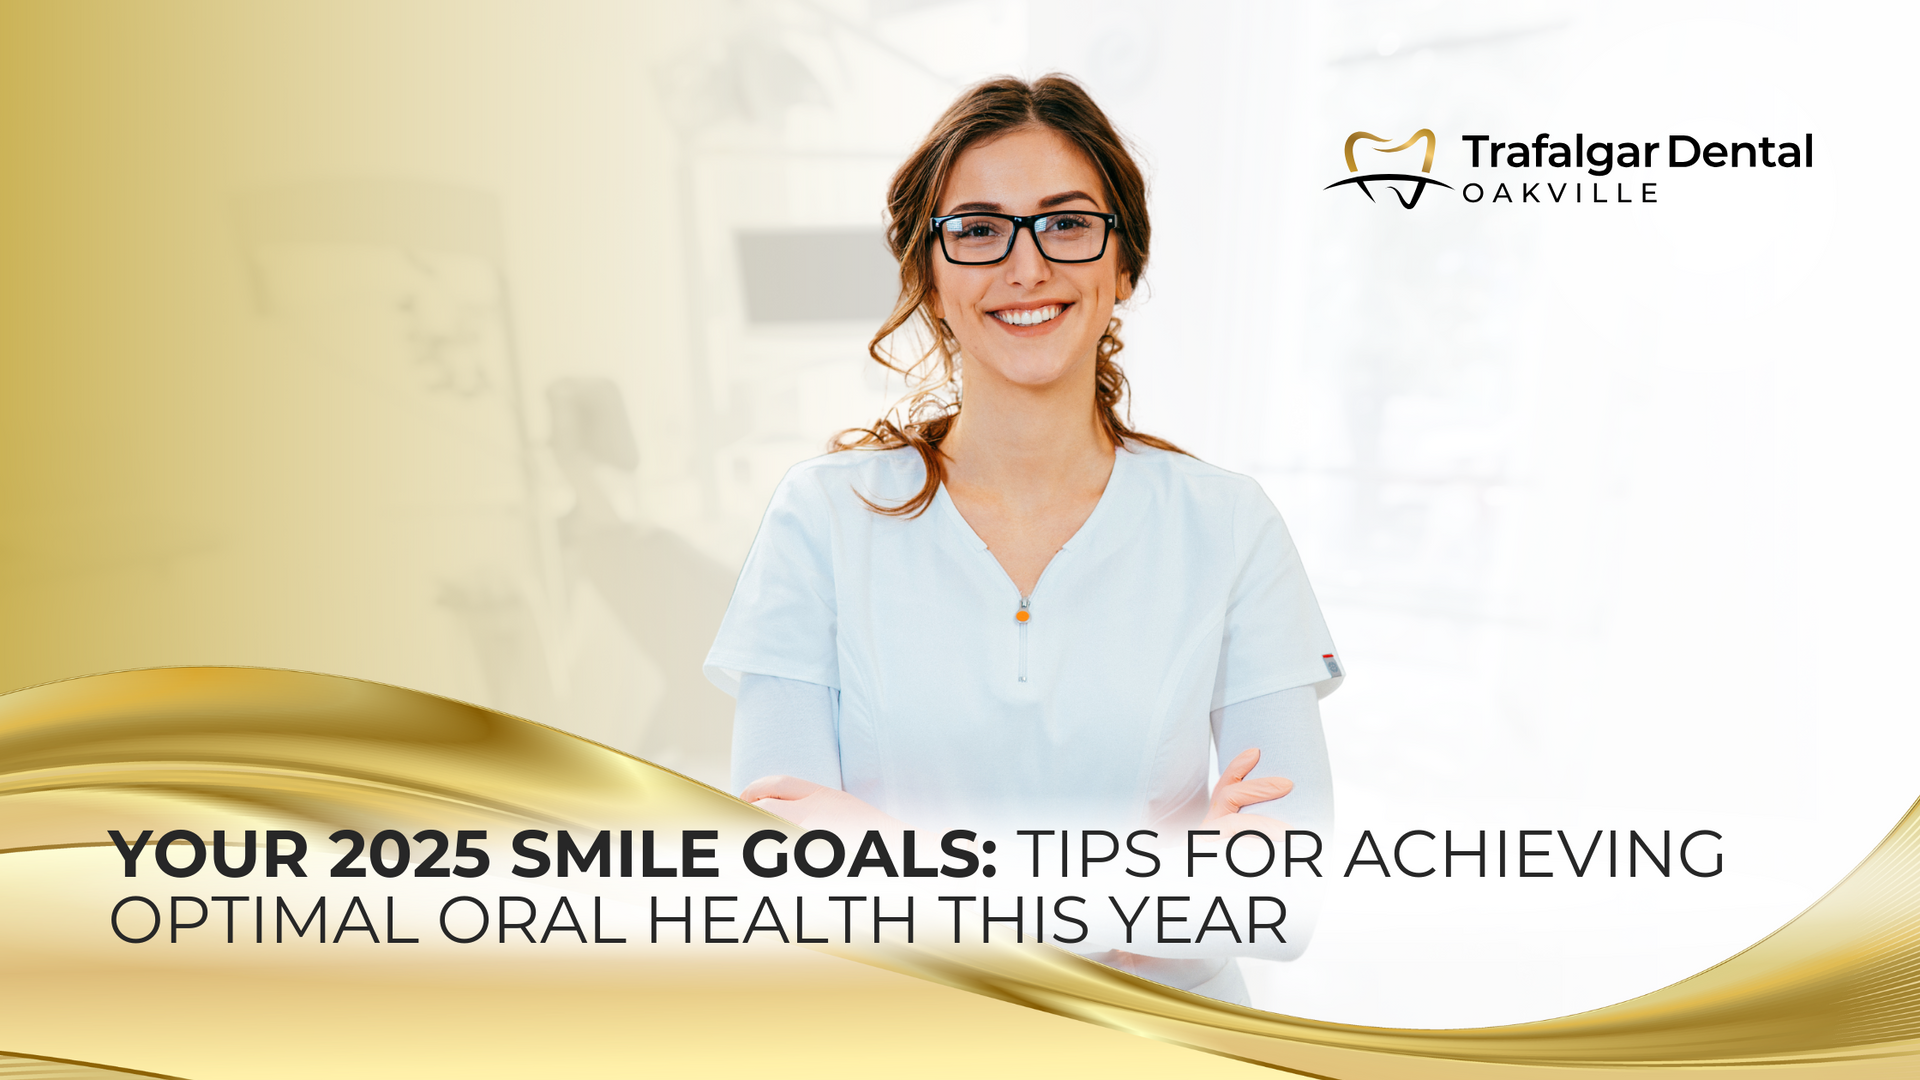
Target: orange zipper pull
<point>1023,614</point>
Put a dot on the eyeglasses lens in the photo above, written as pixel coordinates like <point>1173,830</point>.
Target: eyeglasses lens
<point>976,239</point>
<point>1070,237</point>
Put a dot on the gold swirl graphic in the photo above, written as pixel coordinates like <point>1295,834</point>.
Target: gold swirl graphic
<point>1834,992</point>
<point>27,1067</point>
<point>1426,166</point>
<point>213,743</point>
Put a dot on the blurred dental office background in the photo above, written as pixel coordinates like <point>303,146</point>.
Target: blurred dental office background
<point>460,346</point>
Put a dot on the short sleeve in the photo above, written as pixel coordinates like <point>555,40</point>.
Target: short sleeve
<point>782,620</point>
<point>1275,637</point>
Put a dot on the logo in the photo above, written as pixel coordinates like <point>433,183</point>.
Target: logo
<point>1419,182</point>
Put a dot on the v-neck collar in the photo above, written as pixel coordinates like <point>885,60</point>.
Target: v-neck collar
<point>1116,499</point>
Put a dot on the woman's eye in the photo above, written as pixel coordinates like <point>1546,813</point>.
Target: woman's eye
<point>1065,223</point>
<point>977,228</point>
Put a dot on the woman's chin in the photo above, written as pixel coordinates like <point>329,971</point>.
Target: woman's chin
<point>1030,370</point>
<point>1036,382</point>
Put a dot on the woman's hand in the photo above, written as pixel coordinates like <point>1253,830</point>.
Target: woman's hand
<point>815,806</point>
<point>1234,791</point>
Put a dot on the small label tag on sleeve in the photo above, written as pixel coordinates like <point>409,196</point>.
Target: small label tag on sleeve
<point>1333,665</point>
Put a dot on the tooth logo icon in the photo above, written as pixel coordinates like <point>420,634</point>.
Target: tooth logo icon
<point>1419,181</point>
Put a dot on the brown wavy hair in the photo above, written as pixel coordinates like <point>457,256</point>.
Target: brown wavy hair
<point>984,111</point>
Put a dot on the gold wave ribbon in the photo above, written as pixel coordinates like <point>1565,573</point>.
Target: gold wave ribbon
<point>1835,991</point>
<point>28,1067</point>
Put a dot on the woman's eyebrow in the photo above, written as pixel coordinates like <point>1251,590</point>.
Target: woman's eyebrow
<point>1047,203</point>
<point>1066,197</point>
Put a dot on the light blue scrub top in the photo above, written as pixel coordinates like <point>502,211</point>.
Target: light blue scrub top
<point>1181,594</point>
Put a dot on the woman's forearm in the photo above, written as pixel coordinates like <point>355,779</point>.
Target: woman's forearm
<point>1285,727</point>
<point>785,727</point>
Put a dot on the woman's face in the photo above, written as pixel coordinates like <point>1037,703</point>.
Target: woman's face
<point>1024,320</point>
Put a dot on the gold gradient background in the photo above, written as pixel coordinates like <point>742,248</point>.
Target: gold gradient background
<point>185,481</point>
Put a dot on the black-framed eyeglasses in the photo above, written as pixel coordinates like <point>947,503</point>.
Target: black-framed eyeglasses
<point>1066,236</point>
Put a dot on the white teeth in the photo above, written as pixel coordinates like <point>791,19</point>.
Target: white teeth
<point>1032,317</point>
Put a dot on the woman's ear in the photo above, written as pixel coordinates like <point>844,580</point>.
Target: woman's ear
<point>933,306</point>
<point>1125,289</point>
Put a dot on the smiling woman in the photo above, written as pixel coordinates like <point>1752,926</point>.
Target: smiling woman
<point>1051,144</point>
<point>1001,604</point>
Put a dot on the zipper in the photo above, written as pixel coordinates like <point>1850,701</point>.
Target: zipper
<point>1022,616</point>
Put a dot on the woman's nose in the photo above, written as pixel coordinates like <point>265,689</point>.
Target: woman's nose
<point>1025,265</point>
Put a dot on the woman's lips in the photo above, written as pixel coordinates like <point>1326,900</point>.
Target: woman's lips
<point>1029,316</point>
